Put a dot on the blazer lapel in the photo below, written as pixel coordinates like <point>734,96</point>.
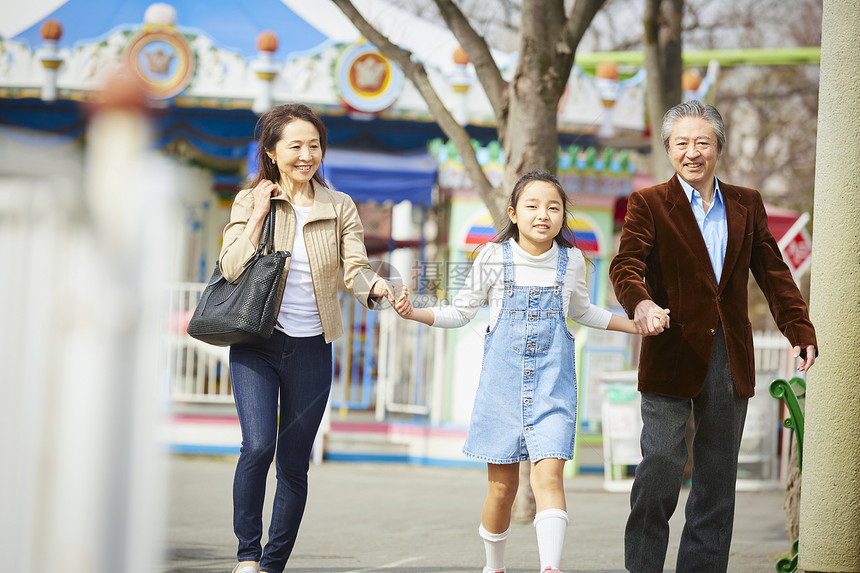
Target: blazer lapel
<point>680,212</point>
<point>736,215</point>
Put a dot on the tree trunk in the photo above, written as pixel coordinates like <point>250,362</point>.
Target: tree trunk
<point>526,108</point>
<point>524,504</point>
<point>792,496</point>
<point>662,38</point>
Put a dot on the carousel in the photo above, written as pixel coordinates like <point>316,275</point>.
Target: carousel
<point>209,69</point>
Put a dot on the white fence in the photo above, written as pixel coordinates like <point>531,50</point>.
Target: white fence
<point>758,460</point>
<point>382,363</point>
<point>197,372</point>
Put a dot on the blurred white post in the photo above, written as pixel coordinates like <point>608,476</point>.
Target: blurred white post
<point>403,228</point>
<point>51,31</point>
<point>80,344</point>
<point>266,70</point>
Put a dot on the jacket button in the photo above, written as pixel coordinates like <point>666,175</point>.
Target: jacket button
<point>712,332</point>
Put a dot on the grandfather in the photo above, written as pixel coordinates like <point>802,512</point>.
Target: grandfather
<point>689,245</point>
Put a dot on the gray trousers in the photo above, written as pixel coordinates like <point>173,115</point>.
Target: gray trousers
<point>719,414</point>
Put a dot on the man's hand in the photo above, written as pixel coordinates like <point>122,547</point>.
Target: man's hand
<point>806,363</point>
<point>645,318</point>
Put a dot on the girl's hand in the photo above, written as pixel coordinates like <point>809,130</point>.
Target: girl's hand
<point>660,318</point>
<point>402,305</point>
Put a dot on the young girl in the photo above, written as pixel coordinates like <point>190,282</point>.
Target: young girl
<point>533,277</point>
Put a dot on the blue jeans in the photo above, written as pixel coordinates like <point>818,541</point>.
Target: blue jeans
<point>298,371</point>
<point>718,417</point>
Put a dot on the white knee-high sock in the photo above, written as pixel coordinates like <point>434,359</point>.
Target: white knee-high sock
<point>494,545</point>
<point>550,526</point>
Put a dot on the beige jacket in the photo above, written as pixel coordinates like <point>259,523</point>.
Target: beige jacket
<point>334,238</point>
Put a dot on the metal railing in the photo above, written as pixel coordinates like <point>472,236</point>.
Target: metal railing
<point>382,363</point>
<point>197,372</point>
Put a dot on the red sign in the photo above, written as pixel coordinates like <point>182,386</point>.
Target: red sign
<point>796,246</point>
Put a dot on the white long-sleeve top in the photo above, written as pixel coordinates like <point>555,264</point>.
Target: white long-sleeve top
<point>486,283</point>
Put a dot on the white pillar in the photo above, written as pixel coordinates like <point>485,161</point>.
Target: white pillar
<point>830,500</point>
<point>266,71</point>
<point>51,63</point>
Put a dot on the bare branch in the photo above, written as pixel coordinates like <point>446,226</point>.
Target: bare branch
<point>479,54</point>
<point>581,15</point>
<point>417,74</point>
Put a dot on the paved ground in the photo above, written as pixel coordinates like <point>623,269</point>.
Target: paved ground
<point>364,518</point>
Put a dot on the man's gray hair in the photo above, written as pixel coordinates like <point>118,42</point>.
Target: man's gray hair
<point>693,108</point>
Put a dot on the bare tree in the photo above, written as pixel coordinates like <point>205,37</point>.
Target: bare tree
<point>525,106</point>
<point>662,40</point>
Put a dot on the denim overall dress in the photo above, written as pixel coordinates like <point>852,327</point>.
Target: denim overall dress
<point>525,407</point>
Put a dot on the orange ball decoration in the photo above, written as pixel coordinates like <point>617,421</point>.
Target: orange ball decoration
<point>460,57</point>
<point>691,80</point>
<point>607,71</point>
<point>267,41</point>
<point>51,30</point>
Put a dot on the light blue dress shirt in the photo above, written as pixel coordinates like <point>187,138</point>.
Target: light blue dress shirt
<point>713,225</point>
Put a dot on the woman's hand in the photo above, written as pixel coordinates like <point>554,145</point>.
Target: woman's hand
<point>263,193</point>
<point>382,289</point>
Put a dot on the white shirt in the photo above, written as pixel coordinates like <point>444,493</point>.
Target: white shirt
<point>299,315</point>
<point>485,283</point>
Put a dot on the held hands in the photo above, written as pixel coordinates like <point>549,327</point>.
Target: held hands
<point>660,318</point>
<point>650,319</point>
<point>402,305</point>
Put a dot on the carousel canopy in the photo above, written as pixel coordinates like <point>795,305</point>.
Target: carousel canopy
<point>233,24</point>
<point>375,176</point>
<point>370,176</point>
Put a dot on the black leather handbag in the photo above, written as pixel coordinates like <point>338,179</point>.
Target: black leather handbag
<point>247,310</point>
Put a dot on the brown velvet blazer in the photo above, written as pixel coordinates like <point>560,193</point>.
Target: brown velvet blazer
<point>662,257</point>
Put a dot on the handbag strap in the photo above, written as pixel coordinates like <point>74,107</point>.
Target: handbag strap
<point>267,238</point>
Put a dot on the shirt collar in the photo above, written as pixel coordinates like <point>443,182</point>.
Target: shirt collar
<point>688,191</point>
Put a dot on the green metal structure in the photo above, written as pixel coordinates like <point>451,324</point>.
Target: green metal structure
<point>726,58</point>
<point>792,394</point>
